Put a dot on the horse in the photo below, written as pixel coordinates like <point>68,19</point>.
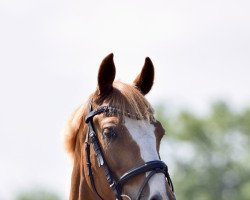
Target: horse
<point>114,141</point>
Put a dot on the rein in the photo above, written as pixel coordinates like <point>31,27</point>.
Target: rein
<point>155,166</point>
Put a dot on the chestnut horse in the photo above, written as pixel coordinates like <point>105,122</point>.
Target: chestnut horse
<point>114,141</point>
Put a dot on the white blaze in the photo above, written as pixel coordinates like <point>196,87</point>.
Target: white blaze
<point>143,134</point>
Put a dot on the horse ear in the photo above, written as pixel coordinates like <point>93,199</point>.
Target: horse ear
<point>106,75</point>
<point>144,81</point>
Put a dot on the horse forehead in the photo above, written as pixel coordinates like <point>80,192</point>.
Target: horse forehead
<point>106,120</point>
<point>141,127</point>
<point>143,133</point>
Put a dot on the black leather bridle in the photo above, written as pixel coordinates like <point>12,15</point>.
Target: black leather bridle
<point>153,167</point>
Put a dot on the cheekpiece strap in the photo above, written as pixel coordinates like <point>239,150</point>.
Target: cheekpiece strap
<point>97,149</point>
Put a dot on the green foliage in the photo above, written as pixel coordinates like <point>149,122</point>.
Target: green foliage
<point>216,163</point>
<point>37,195</point>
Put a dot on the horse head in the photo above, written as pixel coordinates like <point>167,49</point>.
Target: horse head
<point>114,141</point>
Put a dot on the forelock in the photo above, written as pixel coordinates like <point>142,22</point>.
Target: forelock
<point>127,99</point>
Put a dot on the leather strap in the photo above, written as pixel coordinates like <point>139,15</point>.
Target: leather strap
<point>99,155</point>
<point>89,170</point>
<point>156,165</point>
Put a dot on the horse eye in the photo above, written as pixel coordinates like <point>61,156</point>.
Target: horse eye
<point>109,133</point>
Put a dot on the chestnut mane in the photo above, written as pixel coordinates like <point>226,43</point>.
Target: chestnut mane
<point>124,97</point>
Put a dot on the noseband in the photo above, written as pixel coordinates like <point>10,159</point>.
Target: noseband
<point>153,167</point>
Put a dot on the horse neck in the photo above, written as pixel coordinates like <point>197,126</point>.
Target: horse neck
<point>79,187</point>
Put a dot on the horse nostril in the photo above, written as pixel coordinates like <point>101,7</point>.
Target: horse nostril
<point>156,197</point>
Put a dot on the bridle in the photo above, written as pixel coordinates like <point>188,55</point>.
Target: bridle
<point>153,167</point>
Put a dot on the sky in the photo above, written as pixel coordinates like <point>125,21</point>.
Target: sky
<point>50,52</point>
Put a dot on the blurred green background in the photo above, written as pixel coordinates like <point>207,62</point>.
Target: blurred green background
<point>215,164</point>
